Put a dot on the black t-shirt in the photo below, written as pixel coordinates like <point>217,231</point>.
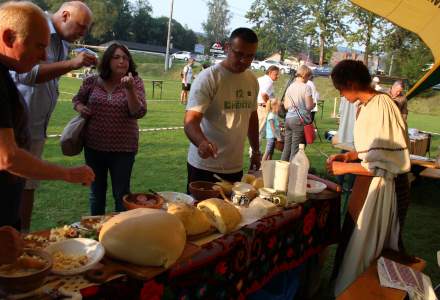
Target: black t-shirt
<point>13,114</point>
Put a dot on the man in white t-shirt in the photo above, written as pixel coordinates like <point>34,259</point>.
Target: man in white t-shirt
<point>265,93</point>
<point>315,97</point>
<point>187,78</point>
<point>222,112</point>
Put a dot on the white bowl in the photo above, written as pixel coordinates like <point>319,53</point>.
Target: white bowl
<point>177,197</point>
<point>79,246</point>
<point>315,187</point>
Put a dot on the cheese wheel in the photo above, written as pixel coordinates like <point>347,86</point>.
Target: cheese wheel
<point>144,236</point>
<point>223,215</point>
<point>194,220</point>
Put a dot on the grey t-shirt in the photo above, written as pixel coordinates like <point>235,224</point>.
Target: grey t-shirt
<point>297,93</point>
<point>227,101</point>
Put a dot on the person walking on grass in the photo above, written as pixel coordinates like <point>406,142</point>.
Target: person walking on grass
<point>39,87</point>
<point>272,127</point>
<point>112,101</point>
<point>24,36</point>
<point>187,78</point>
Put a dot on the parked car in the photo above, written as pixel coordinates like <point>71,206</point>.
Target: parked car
<point>322,71</point>
<point>255,65</point>
<point>265,64</point>
<point>185,55</point>
<point>219,58</point>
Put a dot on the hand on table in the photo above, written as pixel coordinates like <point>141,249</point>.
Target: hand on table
<point>207,149</point>
<point>11,245</point>
<point>83,175</point>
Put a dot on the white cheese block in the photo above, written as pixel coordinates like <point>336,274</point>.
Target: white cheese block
<point>144,236</point>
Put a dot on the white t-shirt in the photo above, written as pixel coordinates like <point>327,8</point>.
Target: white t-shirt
<point>227,101</point>
<point>347,112</point>
<point>297,93</point>
<point>266,86</point>
<point>315,94</point>
<point>188,73</point>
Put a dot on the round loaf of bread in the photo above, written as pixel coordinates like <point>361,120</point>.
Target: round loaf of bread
<point>194,220</point>
<point>222,214</point>
<point>144,236</point>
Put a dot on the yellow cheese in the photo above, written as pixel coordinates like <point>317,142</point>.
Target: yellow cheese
<point>144,236</point>
<point>224,216</point>
<point>194,220</point>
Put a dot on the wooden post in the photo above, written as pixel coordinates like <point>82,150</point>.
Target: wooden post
<point>335,104</point>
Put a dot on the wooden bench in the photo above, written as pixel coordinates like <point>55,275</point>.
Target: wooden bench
<point>367,285</point>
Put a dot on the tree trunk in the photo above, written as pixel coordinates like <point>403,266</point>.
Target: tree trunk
<point>391,65</point>
<point>321,48</point>
<point>368,40</point>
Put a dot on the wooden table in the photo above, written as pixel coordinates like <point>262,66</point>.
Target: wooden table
<point>158,84</point>
<point>367,285</point>
<point>417,162</point>
<point>431,173</point>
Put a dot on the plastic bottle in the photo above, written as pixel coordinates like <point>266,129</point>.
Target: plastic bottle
<point>298,170</point>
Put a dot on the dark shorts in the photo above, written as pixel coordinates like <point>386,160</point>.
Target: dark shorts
<point>196,174</point>
<point>270,146</point>
<point>186,88</point>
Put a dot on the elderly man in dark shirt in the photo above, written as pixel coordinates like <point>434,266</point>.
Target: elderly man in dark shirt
<point>396,93</point>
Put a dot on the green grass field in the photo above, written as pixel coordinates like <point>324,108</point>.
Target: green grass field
<point>161,161</point>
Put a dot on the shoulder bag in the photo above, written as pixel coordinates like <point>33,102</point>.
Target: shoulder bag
<point>309,129</point>
<point>72,138</point>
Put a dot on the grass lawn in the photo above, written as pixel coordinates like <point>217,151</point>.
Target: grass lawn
<point>161,163</point>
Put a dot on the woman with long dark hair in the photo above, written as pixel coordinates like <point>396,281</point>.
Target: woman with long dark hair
<point>379,198</point>
<point>112,101</point>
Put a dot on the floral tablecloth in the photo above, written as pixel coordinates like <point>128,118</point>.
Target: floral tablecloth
<point>242,262</point>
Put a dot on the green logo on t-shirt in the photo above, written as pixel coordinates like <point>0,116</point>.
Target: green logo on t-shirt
<point>238,104</point>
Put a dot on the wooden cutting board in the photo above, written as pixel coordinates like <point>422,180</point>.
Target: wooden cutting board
<point>111,266</point>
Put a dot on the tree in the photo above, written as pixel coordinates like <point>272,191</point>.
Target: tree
<point>216,26</point>
<point>279,25</point>
<point>369,30</point>
<point>123,23</point>
<point>411,53</point>
<point>324,22</point>
<point>141,22</point>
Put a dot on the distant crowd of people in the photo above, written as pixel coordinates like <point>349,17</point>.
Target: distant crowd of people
<point>226,105</point>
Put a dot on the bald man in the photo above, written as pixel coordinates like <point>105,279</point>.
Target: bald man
<point>24,36</point>
<point>39,87</point>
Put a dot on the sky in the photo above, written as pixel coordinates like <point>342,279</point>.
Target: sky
<point>194,12</point>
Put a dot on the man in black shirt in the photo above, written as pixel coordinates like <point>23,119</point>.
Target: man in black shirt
<point>24,35</point>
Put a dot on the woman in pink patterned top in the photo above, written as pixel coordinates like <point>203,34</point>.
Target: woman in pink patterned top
<point>112,102</point>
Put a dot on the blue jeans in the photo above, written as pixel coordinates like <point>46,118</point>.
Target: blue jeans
<point>120,165</point>
<point>293,136</point>
<point>270,146</point>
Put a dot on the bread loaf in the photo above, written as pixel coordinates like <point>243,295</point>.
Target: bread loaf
<point>144,236</point>
<point>223,215</point>
<point>194,220</point>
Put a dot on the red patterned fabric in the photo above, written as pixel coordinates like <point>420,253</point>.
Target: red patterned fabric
<point>240,263</point>
<point>111,127</point>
